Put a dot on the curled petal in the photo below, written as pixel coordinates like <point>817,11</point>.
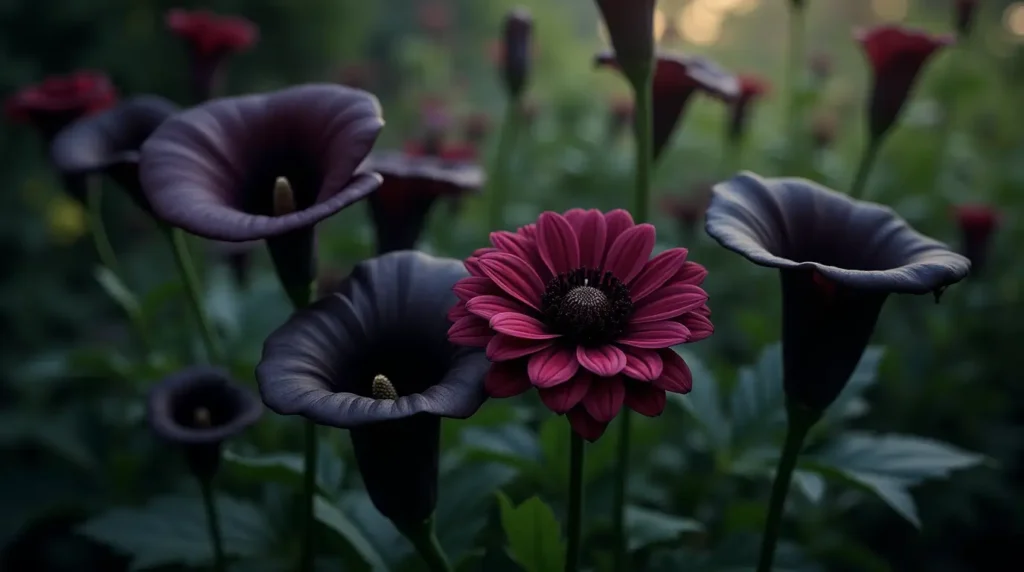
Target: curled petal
<point>676,376</point>
<point>656,272</point>
<point>690,273</point>
<point>564,396</point>
<point>642,364</point>
<point>515,276</point>
<point>604,398</point>
<point>553,366</point>
<point>645,398</point>
<point>506,379</point>
<point>488,306</point>
<point>521,326</point>
<point>504,348</point>
<point>584,425</point>
<point>604,360</point>
<point>470,331</point>
<point>557,243</point>
<point>655,335</point>
<point>630,252</point>
<point>700,326</point>
<point>458,312</point>
<point>669,302</point>
<point>473,286</point>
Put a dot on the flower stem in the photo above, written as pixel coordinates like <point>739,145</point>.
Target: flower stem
<point>190,279</point>
<point>575,524</point>
<point>867,161</point>
<point>794,67</point>
<point>308,493</point>
<point>800,422</point>
<point>499,171</point>
<point>213,524</point>
<point>424,539</point>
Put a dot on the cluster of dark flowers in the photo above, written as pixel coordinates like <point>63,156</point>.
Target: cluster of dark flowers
<point>576,305</point>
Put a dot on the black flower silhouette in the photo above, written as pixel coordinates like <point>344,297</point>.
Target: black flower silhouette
<point>374,358</point>
<point>839,259</point>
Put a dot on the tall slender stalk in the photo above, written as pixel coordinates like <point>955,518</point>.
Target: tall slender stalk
<point>500,167</point>
<point>800,421</point>
<point>308,553</point>
<point>190,279</point>
<point>575,525</point>
<point>424,539</point>
<point>867,161</point>
<point>213,524</point>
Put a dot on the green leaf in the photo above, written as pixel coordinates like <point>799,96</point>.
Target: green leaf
<point>850,402</point>
<point>466,493</point>
<point>116,289</point>
<point>335,520</point>
<point>534,536</point>
<point>704,403</point>
<point>758,402</point>
<point>646,527</point>
<point>56,435</point>
<point>283,468</point>
<point>888,465</point>
<point>173,530</point>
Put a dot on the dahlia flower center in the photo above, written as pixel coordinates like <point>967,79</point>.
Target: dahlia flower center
<point>587,306</point>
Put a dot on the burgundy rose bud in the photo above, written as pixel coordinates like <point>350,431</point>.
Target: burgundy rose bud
<point>60,100</point>
<point>516,51</point>
<point>896,55</point>
<point>751,89</point>
<point>211,39</point>
<point>964,15</point>
<point>977,223</point>
<point>630,25</point>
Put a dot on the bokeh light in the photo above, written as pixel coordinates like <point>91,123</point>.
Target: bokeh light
<point>1014,18</point>
<point>700,22</point>
<point>660,23</point>
<point>890,10</point>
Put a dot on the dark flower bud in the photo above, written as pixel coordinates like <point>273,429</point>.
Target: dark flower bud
<point>977,224</point>
<point>630,25</point>
<point>964,16</point>
<point>516,52</point>
<point>896,55</point>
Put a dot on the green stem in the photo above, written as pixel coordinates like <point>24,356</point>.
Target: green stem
<point>308,494</point>
<point>800,422</point>
<point>499,171</point>
<point>575,524</point>
<point>619,498</point>
<point>794,70</point>
<point>213,524</point>
<point>867,161</point>
<point>190,279</point>
<point>424,539</point>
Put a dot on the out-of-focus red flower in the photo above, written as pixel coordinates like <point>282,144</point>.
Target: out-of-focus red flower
<point>57,101</point>
<point>964,16</point>
<point>977,224</point>
<point>211,38</point>
<point>575,306</point>
<point>752,88</point>
<point>896,55</point>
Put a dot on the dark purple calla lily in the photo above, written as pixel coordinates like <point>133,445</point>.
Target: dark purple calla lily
<point>373,357</point>
<point>267,166</point>
<point>839,259</point>
<point>109,143</point>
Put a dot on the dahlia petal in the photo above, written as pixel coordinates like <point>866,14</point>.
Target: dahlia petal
<point>557,243</point>
<point>605,361</point>
<point>641,364</point>
<point>656,272</point>
<point>528,230</point>
<point>690,273</point>
<point>584,425</point>
<point>655,335</point>
<point>616,222</point>
<point>645,398</point>
<point>700,326</point>
<point>592,232</point>
<point>515,276</point>
<point>676,376</point>
<point>473,286</point>
<point>553,366</point>
<point>669,302</point>
<point>472,262</point>
<point>458,311</point>
<point>513,243</point>
<point>506,379</point>
<point>630,252</point>
<point>470,331</point>
<point>521,326</point>
<point>505,348</point>
<point>488,306</point>
<point>564,396</point>
<point>604,398</point>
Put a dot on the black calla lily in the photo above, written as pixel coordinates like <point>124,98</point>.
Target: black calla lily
<point>109,143</point>
<point>267,166</point>
<point>412,183</point>
<point>198,408</point>
<point>839,259</point>
<point>373,357</point>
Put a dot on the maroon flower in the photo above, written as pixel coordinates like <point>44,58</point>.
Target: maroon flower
<point>896,55</point>
<point>964,16</point>
<point>211,39</point>
<point>751,88</point>
<point>630,25</point>
<point>515,51</point>
<point>57,101</point>
<point>676,78</point>
<point>412,183</point>
<point>571,305</point>
<point>977,223</point>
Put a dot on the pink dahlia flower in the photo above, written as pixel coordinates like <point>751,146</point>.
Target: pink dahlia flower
<point>575,306</point>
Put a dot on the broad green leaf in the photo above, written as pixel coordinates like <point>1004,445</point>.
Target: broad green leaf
<point>888,465</point>
<point>283,468</point>
<point>812,485</point>
<point>335,520</point>
<point>56,435</point>
<point>646,527</point>
<point>758,402</point>
<point>534,536</point>
<point>465,495</point>
<point>512,445</point>
<point>117,291</point>
<point>704,404</point>
<point>850,402</point>
<point>173,530</point>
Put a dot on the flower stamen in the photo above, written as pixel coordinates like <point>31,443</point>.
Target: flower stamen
<point>284,197</point>
<point>202,418</point>
<point>382,388</point>
<point>588,306</point>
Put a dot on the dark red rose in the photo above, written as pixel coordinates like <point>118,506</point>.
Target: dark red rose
<point>59,100</point>
<point>964,16</point>
<point>896,55</point>
<point>211,38</point>
<point>977,223</point>
<point>751,88</point>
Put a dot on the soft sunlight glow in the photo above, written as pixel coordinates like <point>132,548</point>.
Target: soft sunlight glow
<point>700,24</point>
<point>743,7</point>
<point>660,23</point>
<point>1014,18</point>
<point>890,10</point>
<point>728,6</point>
